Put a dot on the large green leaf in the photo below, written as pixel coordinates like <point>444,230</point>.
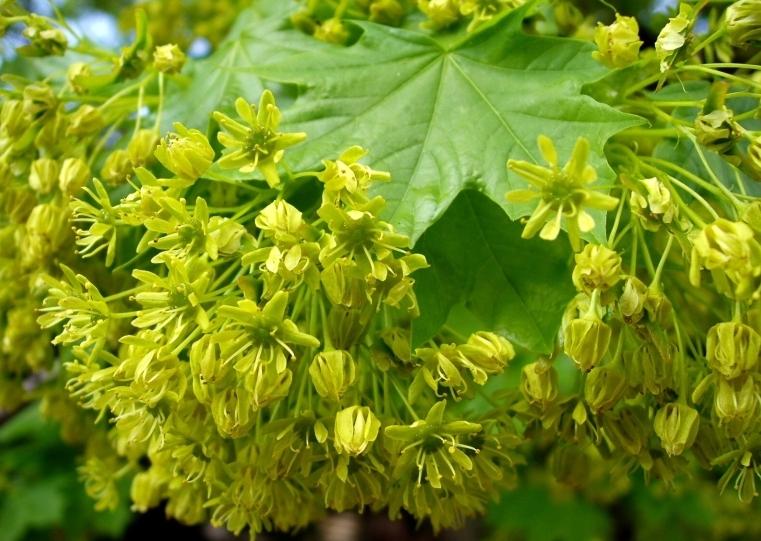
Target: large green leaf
<point>483,274</point>
<point>440,114</point>
<point>260,38</point>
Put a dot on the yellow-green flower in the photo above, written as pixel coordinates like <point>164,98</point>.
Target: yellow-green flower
<point>618,43</point>
<point>355,429</point>
<point>332,30</point>
<point>733,349</point>
<point>539,383</point>
<point>256,144</point>
<point>168,58</point>
<point>655,206</point>
<point>440,13</point>
<point>186,153</point>
<point>674,37</point>
<point>433,448</point>
<point>563,193</point>
<point>332,373</point>
<point>677,426</point>
<point>482,11</point>
<point>43,39</point>
<point>730,251</point>
<point>597,267</point>
<point>744,22</point>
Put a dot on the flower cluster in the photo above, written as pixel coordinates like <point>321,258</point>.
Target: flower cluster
<point>664,329</point>
<point>235,337</point>
<point>55,134</point>
<point>258,356</point>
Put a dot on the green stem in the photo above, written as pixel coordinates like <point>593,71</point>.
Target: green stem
<point>662,263</point>
<point>138,113</point>
<point>697,197</point>
<point>683,380</point>
<point>404,400</point>
<point>708,40</point>
<point>645,251</point>
<point>617,221</point>
<point>160,111</point>
<point>711,173</point>
<point>717,73</point>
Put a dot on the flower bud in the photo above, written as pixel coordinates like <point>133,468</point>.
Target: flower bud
<point>343,286</point>
<point>586,341</point>
<point>281,222</point>
<point>676,425</point>
<point>441,366</point>
<point>568,18</point>
<point>117,167</point>
<point>303,21</point>
<point>206,364</point>
<point>632,301</point>
<point>736,403</point>
<point>732,349</point>
<point>86,120</point>
<point>671,41</point>
<point>618,44</point>
<point>355,429</point>
<point>604,387</point>
<point>146,490</point>
<point>18,202</point>
<point>440,13</point>
<point>397,340</point>
<point>648,368</point>
<point>655,206</point>
<point>597,267</point>
<point>168,58</point>
<point>628,429</point>
<point>140,149</point>
<point>729,250</point>
<point>73,176</point>
<point>232,411</point>
<point>51,138</point>
<point>345,326</point>
<point>717,130</point>
<point>570,465</point>
<point>389,12</point>
<point>43,39</point>
<point>332,373</point>
<point>43,175</point>
<point>186,153</point>
<point>39,101</point>
<point>487,351</point>
<point>332,31</point>
<point>77,75</point>
<point>14,119</point>
<point>268,387</point>
<point>47,228</point>
<point>658,307</point>
<point>744,22</point>
<point>224,237</point>
<point>539,383</point>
